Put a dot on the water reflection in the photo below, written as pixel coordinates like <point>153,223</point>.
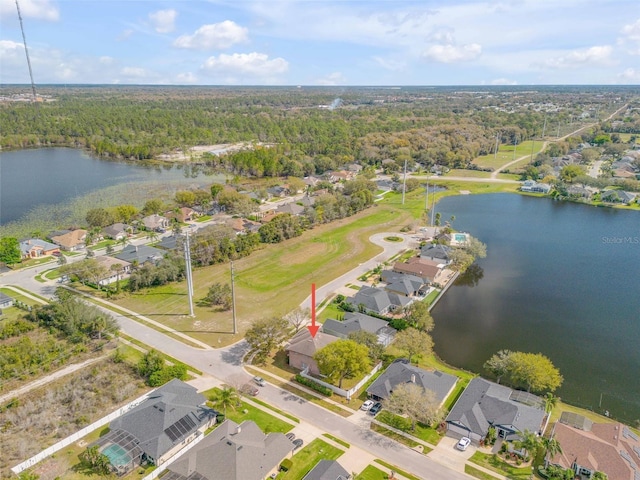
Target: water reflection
<point>470,277</point>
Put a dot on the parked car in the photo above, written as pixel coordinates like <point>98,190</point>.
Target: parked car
<point>297,443</point>
<point>249,389</point>
<point>291,436</point>
<point>375,409</point>
<point>367,405</point>
<point>259,381</point>
<point>463,443</point>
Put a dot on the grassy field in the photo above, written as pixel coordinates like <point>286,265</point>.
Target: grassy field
<point>306,459</point>
<point>372,473</point>
<point>397,470</point>
<point>506,154</point>
<point>422,432</point>
<point>268,423</point>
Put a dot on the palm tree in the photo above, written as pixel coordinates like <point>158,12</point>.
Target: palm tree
<point>551,447</point>
<point>530,442</point>
<point>152,236</point>
<point>227,397</point>
<point>117,268</point>
<point>550,401</point>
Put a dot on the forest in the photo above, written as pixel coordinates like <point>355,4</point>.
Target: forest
<point>443,126</point>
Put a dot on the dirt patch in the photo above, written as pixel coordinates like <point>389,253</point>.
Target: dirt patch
<point>302,255</point>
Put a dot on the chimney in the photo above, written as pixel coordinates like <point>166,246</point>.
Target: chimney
<point>238,430</point>
<point>413,378</point>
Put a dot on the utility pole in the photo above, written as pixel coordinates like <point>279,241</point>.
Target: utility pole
<point>404,181</point>
<point>515,147</point>
<point>187,261</point>
<point>233,300</point>
<point>495,152</point>
<point>26,51</point>
<point>426,199</point>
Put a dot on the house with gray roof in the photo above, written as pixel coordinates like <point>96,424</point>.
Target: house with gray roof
<point>437,252</point>
<point>389,276</point>
<point>152,432</point>
<point>327,470</point>
<point>291,208</point>
<point>233,452</point>
<point>140,254</point>
<point>485,404</point>
<point>36,248</point>
<point>440,383</point>
<point>117,231</point>
<point>5,301</point>
<point>377,300</point>
<point>617,196</point>
<point>355,322</point>
<point>404,286</point>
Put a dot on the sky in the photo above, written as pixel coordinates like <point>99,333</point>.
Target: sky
<point>322,42</point>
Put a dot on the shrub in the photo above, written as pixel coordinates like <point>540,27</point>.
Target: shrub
<point>314,385</point>
<point>286,465</point>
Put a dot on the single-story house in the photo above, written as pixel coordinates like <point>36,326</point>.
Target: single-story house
<point>243,225</point>
<point>291,208</point>
<point>169,243</point>
<point>5,301</point>
<point>327,470</point>
<point>610,448</point>
<point>535,187</point>
<point>440,383</point>
<point>165,422</point>
<point>426,270</point>
<point>233,452</point>
<point>485,404</point>
<point>307,201</point>
<point>117,231</point>
<point>115,268</point>
<point>140,254</point>
<point>389,276</point>
<point>277,191</point>
<point>155,222</point>
<point>354,167</point>
<point>436,252</point>
<point>617,196</point>
<point>311,181</point>
<point>72,240</point>
<point>340,175</point>
<point>302,347</point>
<point>36,248</point>
<point>377,300</point>
<point>405,287</point>
<point>355,322</point>
<point>182,214</point>
<point>576,191</point>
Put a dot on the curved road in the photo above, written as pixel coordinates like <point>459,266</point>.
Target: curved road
<point>226,364</point>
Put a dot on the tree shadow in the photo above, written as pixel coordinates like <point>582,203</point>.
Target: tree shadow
<point>471,277</point>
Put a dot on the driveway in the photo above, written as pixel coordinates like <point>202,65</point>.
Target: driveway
<point>448,455</point>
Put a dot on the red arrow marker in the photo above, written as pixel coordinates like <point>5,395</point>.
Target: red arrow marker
<point>313,328</point>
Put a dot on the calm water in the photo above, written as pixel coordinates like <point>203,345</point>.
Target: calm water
<point>31,178</point>
<point>562,279</point>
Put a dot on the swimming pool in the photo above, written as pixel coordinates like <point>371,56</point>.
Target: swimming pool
<point>118,456</point>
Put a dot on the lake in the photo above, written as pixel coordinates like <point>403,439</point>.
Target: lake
<point>560,278</point>
<point>33,179</point>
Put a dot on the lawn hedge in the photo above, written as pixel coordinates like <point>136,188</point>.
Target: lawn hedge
<point>314,385</point>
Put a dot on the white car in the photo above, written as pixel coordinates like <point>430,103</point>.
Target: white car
<point>367,405</point>
<point>463,443</point>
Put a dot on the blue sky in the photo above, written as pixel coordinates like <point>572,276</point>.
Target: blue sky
<point>323,42</point>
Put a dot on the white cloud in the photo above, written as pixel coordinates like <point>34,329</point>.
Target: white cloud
<point>335,78</point>
<point>246,64</point>
<point>630,75</point>
<point>186,78</point>
<point>163,21</point>
<point>41,9</point>
<point>389,64</point>
<point>503,81</point>
<point>593,56</point>
<point>631,37</point>
<point>452,53</point>
<point>106,60</point>
<point>215,36</point>
<point>134,72</point>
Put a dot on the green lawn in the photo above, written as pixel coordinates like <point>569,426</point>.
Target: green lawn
<point>308,457</point>
<point>423,432</point>
<point>474,472</point>
<point>277,410</point>
<point>372,473</point>
<point>495,464</point>
<point>103,244</point>
<point>397,470</point>
<point>395,436</point>
<point>268,423</point>
<point>203,218</point>
<point>336,439</point>
<point>330,311</point>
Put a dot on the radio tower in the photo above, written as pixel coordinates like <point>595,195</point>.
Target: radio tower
<point>26,51</point>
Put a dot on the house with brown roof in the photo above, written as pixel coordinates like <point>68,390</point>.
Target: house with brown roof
<point>182,214</point>
<point>72,240</point>
<point>425,269</point>
<point>155,222</point>
<point>114,267</point>
<point>610,448</point>
<point>302,347</point>
<point>340,175</point>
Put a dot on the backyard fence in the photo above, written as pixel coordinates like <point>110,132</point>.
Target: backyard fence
<point>340,391</point>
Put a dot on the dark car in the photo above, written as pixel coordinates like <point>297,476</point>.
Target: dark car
<point>375,409</point>
<point>291,436</point>
<point>297,443</point>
